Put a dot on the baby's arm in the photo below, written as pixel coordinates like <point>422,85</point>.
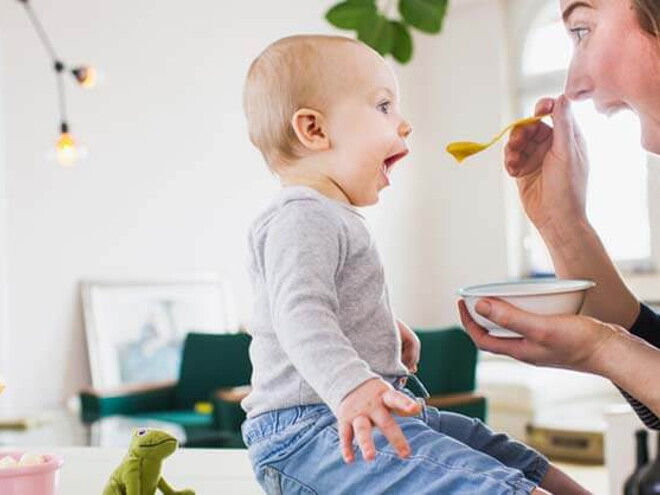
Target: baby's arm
<point>302,255</point>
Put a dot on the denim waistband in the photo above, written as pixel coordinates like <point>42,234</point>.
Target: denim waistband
<point>272,422</point>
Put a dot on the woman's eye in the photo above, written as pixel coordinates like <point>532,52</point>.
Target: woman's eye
<point>384,107</point>
<point>578,34</point>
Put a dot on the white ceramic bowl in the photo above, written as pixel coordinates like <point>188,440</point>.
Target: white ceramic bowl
<point>541,296</point>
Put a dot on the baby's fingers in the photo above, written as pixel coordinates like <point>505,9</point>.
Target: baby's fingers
<point>400,403</point>
<point>362,427</point>
<point>346,441</point>
<point>385,421</point>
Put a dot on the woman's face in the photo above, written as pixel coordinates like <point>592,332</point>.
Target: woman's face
<point>615,62</point>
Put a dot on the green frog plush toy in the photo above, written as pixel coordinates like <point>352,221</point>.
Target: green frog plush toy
<point>139,472</point>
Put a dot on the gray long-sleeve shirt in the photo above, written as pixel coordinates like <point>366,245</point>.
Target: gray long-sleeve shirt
<point>322,323</point>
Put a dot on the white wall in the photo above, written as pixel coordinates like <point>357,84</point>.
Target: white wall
<point>3,251</point>
<point>171,181</point>
<point>446,229</point>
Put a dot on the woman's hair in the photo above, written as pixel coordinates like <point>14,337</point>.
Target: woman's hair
<point>648,14</point>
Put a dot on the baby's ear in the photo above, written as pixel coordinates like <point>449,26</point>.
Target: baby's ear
<point>309,126</point>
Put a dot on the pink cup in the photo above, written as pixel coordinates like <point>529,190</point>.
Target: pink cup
<point>41,479</point>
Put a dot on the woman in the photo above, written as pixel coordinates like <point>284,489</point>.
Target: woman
<point>616,63</point>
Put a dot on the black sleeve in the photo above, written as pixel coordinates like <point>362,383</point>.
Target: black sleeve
<point>647,327</point>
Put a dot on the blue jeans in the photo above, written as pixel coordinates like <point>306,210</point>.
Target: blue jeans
<point>296,451</point>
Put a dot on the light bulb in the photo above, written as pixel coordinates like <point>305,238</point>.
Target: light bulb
<point>86,76</point>
<point>66,150</point>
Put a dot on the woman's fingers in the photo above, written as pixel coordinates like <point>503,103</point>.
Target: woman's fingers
<point>544,106</point>
<point>346,441</point>
<point>522,136</point>
<point>362,428</point>
<point>567,341</point>
<point>508,316</point>
<point>513,161</point>
<point>543,133</point>
<point>483,339</point>
<point>535,155</point>
<point>564,126</point>
<point>526,148</point>
<point>518,138</point>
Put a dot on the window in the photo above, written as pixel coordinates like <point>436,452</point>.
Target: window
<point>617,198</point>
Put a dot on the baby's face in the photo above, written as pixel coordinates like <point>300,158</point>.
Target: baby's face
<point>367,133</point>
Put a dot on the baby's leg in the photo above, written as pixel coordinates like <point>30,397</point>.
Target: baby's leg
<point>309,462</point>
<point>508,451</point>
<point>475,434</point>
<point>556,481</point>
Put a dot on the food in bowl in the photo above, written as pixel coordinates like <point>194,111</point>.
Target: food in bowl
<point>25,473</point>
<point>541,296</point>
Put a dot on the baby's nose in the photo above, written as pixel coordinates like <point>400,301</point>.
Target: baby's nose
<point>405,129</point>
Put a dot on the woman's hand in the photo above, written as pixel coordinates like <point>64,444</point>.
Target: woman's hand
<point>550,165</point>
<point>573,342</point>
<point>410,347</point>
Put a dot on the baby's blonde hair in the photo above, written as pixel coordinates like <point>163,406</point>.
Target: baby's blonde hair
<point>288,75</point>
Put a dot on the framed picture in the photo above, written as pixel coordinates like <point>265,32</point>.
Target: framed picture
<point>135,330</point>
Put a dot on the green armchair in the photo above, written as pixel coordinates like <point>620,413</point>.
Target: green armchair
<point>447,368</point>
<point>209,362</point>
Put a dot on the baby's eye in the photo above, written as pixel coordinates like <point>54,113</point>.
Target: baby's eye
<point>384,107</point>
<point>578,33</point>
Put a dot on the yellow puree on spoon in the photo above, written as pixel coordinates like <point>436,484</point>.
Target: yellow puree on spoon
<point>460,150</point>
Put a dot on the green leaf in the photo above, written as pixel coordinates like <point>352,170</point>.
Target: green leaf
<point>377,33</point>
<point>402,44</point>
<point>425,15</point>
<point>350,14</point>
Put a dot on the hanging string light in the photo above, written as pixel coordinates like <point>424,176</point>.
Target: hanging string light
<point>66,149</point>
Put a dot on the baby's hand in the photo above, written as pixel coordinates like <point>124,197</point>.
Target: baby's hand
<point>410,347</point>
<point>369,405</point>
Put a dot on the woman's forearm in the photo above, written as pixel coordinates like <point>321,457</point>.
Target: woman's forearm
<point>577,252</point>
<point>633,365</point>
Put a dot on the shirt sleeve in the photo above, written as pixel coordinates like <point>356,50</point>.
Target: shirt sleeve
<point>303,254</point>
<point>647,327</point>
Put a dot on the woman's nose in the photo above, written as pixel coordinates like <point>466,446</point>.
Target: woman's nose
<point>579,85</point>
<point>404,129</point>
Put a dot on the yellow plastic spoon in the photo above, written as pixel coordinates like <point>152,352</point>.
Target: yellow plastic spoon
<point>460,150</point>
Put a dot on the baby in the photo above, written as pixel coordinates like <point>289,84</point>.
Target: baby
<point>328,411</point>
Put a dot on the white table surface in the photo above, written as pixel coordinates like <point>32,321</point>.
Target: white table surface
<point>210,472</point>
<point>207,471</point>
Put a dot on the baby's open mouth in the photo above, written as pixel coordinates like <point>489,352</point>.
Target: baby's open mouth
<point>391,160</point>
